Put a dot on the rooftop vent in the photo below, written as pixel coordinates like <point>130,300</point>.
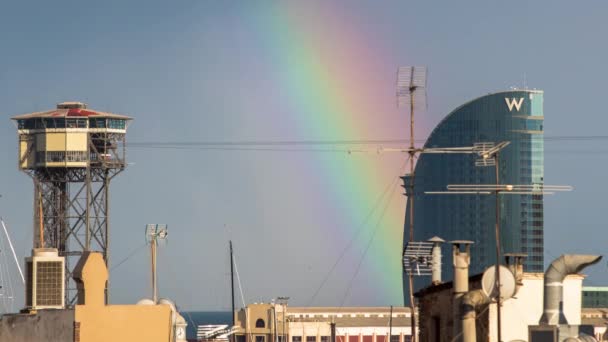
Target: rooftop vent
<point>71,105</point>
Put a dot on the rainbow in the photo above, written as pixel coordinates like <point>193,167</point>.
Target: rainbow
<point>328,75</point>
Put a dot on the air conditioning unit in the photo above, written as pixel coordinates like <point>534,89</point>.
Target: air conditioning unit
<point>45,272</point>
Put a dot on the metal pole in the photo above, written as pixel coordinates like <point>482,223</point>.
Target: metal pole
<point>274,311</point>
<point>87,243</point>
<point>232,281</point>
<point>497,232</point>
<point>8,238</point>
<point>284,319</point>
<point>153,247</point>
<point>41,219</point>
<point>390,326</point>
<point>106,251</point>
<point>411,201</point>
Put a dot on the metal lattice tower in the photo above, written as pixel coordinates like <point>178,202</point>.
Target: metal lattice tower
<point>72,153</point>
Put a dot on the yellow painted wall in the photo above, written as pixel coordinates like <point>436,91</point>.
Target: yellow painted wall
<point>54,142</point>
<point>76,141</point>
<point>119,323</point>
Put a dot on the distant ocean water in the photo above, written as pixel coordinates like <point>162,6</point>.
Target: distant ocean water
<point>196,318</point>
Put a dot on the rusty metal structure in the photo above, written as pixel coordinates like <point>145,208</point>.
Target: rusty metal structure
<point>72,153</point>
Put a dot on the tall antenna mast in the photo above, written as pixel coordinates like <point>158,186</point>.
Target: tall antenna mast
<point>155,232</point>
<point>411,85</point>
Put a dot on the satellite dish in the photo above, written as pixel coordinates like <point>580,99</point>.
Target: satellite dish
<point>507,283</point>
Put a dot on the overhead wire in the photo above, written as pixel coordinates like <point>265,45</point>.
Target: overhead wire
<point>369,243</point>
<point>131,254</point>
<point>363,224</point>
<point>339,146</point>
<point>240,143</point>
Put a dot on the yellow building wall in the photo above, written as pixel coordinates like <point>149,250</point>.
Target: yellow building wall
<point>71,141</point>
<point>77,141</point>
<point>54,142</point>
<point>119,323</point>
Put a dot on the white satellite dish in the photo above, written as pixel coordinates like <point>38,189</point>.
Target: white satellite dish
<point>507,283</point>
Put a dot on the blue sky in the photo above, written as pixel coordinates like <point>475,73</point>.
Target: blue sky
<point>182,69</point>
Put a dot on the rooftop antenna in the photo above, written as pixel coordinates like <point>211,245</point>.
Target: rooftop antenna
<point>411,92</point>
<point>154,233</point>
<point>417,258</point>
<point>488,153</point>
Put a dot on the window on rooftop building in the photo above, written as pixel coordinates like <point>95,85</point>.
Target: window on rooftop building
<point>116,123</point>
<point>97,123</point>
<point>296,339</point>
<point>260,323</point>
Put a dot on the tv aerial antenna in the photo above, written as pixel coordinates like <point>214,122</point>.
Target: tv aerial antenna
<point>418,258</point>
<point>489,154</point>
<point>411,93</point>
<point>154,234</point>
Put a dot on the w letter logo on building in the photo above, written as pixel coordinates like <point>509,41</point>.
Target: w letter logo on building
<point>512,103</point>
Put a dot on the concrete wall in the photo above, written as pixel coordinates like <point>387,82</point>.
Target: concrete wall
<point>435,313</point>
<point>128,323</point>
<point>527,307</point>
<point>46,325</point>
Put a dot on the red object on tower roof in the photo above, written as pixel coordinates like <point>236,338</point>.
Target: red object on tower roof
<point>71,109</point>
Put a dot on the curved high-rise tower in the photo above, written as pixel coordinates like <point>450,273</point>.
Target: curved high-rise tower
<point>515,116</point>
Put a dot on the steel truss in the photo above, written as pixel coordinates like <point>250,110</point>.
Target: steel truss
<point>74,203</point>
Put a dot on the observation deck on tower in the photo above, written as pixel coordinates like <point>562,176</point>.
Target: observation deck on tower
<point>72,153</point>
<point>60,137</point>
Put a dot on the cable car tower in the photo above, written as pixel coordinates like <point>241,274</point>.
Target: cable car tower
<point>72,153</point>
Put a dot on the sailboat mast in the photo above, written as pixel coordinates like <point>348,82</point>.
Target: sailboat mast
<point>232,281</point>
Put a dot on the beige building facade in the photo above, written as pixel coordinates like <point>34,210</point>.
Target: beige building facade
<point>91,320</point>
<point>436,322</point>
<point>279,323</point>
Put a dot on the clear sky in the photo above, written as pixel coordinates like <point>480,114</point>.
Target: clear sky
<point>196,71</point>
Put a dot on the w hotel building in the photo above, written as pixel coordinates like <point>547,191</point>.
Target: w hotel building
<point>515,116</point>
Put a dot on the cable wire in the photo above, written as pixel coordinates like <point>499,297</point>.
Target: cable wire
<point>262,143</point>
<point>369,243</point>
<point>356,235</point>
<point>133,252</point>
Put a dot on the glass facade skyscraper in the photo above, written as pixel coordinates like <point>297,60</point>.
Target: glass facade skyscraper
<point>515,116</point>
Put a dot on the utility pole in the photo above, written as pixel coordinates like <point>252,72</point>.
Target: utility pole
<point>390,326</point>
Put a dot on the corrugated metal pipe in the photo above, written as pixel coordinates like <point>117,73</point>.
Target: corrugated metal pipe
<point>566,264</point>
<point>461,260</point>
<point>468,303</point>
